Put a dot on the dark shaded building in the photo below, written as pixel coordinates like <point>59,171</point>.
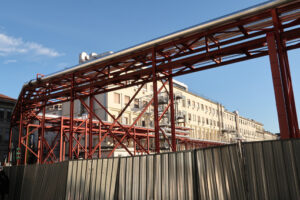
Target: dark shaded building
<point>6,107</point>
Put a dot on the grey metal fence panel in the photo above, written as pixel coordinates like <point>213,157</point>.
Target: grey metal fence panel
<point>238,171</point>
<point>259,170</point>
<point>121,179</point>
<point>291,167</point>
<point>19,180</point>
<point>83,181</point>
<point>296,153</point>
<point>210,176</point>
<point>201,178</point>
<point>172,176</point>
<point>142,176</point>
<point>92,187</point>
<point>157,176</point>
<point>102,184</point>
<point>73,179</point>
<point>165,177</point>
<point>28,181</point>
<point>135,178</point>
<point>98,178</point>
<point>69,180</point>
<point>220,181</point>
<point>149,178</point>
<point>108,178</point>
<point>61,181</point>
<point>229,181</point>
<point>188,175</point>
<point>280,169</point>
<point>114,177</point>
<point>180,175</point>
<point>87,179</point>
<point>128,178</point>
<point>268,159</point>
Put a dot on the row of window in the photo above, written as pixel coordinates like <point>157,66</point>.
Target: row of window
<point>198,106</point>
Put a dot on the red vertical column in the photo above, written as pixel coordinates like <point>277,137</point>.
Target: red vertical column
<point>41,136</point>
<point>172,116</point>
<point>99,140</point>
<point>285,77</point>
<point>20,137</point>
<point>71,119</point>
<point>26,147</point>
<point>61,140</point>
<point>91,125</point>
<point>278,87</point>
<point>9,144</point>
<point>284,94</point>
<point>155,98</point>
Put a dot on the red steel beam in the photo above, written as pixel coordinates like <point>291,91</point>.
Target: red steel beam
<point>155,98</point>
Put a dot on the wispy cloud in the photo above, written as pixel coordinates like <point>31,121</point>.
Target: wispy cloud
<point>11,45</point>
<point>9,61</point>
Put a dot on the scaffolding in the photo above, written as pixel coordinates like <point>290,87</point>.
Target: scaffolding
<point>269,29</point>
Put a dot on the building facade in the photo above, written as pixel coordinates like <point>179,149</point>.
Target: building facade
<point>206,119</point>
<point>6,108</point>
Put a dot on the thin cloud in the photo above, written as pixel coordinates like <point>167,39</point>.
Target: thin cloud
<point>9,61</point>
<point>11,45</point>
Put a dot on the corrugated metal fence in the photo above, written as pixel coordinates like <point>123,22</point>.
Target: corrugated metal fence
<point>259,170</point>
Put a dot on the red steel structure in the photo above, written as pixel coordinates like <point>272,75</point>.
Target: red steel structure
<point>269,29</point>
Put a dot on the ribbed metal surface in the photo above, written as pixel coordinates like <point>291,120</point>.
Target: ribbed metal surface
<point>258,170</point>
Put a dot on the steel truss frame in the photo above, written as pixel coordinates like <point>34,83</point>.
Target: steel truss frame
<point>270,32</point>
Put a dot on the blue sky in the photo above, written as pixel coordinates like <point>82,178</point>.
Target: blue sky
<point>47,36</point>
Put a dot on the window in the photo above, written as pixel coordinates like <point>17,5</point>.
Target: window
<point>193,104</point>
<point>126,99</point>
<point>202,107</point>
<point>1,115</point>
<point>199,120</point>
<point>183,102</point>
<point>145,87</point>
<point>198,105</point>
<point>144,103</point>
<point>207,121</point>
<point>8,115</point>
<point>125,120</point>
<point>136,103</point>
<point>189,102</point>
<point>190,116</point>
<point>117,99</point>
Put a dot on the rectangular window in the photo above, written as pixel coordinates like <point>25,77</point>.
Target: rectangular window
<point>117,98</point>
<point>144,103</point>
<point>189,102</point>
<point>136,103</point>
<point>193,104</point>
<point>126,99</point>
<point>202,107</point>
<point>8,115</point>
<point>183,102</point>
<point>145,87</point>
<point>190,116</point>
<point>1,115</point>
<point>125,120</point>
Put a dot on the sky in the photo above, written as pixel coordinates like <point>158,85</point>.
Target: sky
<point>47,36</point>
